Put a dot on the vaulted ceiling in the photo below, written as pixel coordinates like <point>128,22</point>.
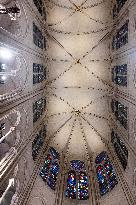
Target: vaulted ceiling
<point>78,64</point>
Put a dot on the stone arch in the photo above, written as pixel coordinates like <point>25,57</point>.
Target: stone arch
<point>9,138</point>
<point>15,25</point>
<point>11,79</point>
<point>9,191</point>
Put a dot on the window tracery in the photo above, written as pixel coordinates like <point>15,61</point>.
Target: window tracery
<point>120,149</point>
<point>38,108</point>
<point>120,112</point>
<point>50,170</point>
<point>71,185</point>
<point>38,142</point>
<point>83,186</point>
<point>39,73</point>
<point>118,6</point>
<point>119,75</point>
<point>106,175</point>
<point>121,37</point>
<point>77,181</point>
<point>38,38</point>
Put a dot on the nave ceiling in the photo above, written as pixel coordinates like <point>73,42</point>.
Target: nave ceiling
<point>70,108</point>
<point>78,88</point>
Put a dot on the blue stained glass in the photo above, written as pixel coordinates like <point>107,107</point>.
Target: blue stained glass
<point>103,185</point>
<point>111,176</point>
<point>102,156</point>
<point>105,173</point>
<point>50,170</point>
<point>54,153</point>
<point>83,186</point>
<point>45,169</point>
<point>77,165</point>
<point>71,185</point>
<point>52,178</point>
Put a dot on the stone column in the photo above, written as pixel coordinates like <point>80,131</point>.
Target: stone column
<point>93,185</point>
<point>127,192</point>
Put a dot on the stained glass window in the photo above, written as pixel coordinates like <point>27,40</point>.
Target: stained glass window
<point>121,37</point>
<point>39,5</point>
<point>71,185</point>
<point>117,7</point>
<point>53,173</point>
<point>50,170</point>
<point>77,165</point>
<point>119,75</point>
<point>120,112</point>
<point>54,153</point>
<point>103,184</point>
<point>38,108</point>
<point>38,38</point>
<point>120,149</point>
<point>38,142</point>
<point>39,73</point>
<point>77,182</point>
<point>120,4</point>
<point>105,173</point>
<point>45,169</point>
<point>83,186</point>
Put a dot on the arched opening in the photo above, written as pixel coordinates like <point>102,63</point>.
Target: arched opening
<point>50,169</point>
<point>11,80</point>
<point>9,138</point>
<point>38,142</point>
<point>77,181</point>
<point>106,175</point>
<point>10,22</point>
<point>120,149</point>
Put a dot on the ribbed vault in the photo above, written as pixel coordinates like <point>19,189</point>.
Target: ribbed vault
<point>78,87</point>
